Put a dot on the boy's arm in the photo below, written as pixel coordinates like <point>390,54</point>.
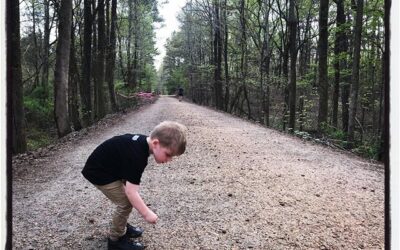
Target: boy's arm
<point>132,192</point>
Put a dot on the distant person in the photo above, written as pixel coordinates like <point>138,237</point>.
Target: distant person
<point>115,167</point>
<point>180,93</point>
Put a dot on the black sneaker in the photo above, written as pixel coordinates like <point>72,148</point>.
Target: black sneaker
<point>123,243</point>
<point>133,232</point>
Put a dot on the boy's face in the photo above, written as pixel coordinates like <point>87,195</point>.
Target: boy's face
<point>161,154</point>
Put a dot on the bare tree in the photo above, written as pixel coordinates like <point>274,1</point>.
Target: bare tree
<point>73,80</point>
<point>323,63</point>
<point>110,63</point>
<point>85,88</point>
<point>217,56</point>
<point>293,60</point>
<point>14,77</point>
<point>61,71</point>
<point>46,47</point>
<point>355,75</point>
<point>99,72</point>
<point>341,47</point>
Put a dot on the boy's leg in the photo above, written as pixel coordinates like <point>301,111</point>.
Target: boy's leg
<point>116,193</point>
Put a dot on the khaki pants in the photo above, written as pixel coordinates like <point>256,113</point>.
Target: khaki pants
<point>115,191</point>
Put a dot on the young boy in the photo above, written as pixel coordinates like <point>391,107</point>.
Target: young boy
<point>115,167</point>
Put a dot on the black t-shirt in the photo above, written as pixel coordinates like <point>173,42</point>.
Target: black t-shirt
<point>122,157</point>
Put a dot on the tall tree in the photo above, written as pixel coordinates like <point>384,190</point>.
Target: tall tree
<point>265,59</point>
<point>46,48</point>
<point>355,74</point>
<point>110,66</point>
<point>226,66</point>
<point>135,69</point>
<point>85,87</point>
<point>293,60</point>
<point>282,67</point>
<point>323,63</point>
<point>61,71</point>
<point>341,48</point>
<point>217,56</point>
<point>14,77</point>
<point>133,33</point>
<point>244,56</point>
<point>73,80</point>
<point>36,48</point>
<point>101,46</point>
<point>385,134</point>
<point>129,70</point>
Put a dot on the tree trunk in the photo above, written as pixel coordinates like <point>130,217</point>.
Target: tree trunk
<point>85,88</point>
<point>73,85</point>
<point>217,57</point>
<point>129,75</point>
<point>46,48</point>
<point>111,56</point>
<point>36,48</point>
<point>133,26</point>
<point>265,62</point>
<point>323,63</point>
<point>227,82</point>
<point>283,68</point>
<point>124,74</point>
<point>243,57</point>
<point>293,60</point>
<point>14,78</point>
<point>62,69</point>
<point>355,72</point>
<point>340,60</point>
<point>385,136</point>
<point>101,44</point>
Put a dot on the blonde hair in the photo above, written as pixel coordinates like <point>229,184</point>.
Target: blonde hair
<point>171,135</point>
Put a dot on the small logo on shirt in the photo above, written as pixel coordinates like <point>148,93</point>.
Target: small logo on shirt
<point>135,137</point>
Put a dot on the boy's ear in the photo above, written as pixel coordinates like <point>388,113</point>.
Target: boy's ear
<point>155,142</point>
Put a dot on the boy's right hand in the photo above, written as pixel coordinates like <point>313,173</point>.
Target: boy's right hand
<point>151,217</point>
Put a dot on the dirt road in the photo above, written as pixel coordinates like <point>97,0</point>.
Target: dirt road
<point>238,186</point>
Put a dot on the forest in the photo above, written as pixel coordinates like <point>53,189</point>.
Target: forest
<point>315,69</point>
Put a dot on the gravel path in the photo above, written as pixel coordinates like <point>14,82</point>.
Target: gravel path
<point>238,186</point>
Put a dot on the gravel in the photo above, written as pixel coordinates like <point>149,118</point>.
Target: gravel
<point>238,186</point>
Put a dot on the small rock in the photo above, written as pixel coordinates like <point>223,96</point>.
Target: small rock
<point>90,237</point>
<point>230,195</point>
